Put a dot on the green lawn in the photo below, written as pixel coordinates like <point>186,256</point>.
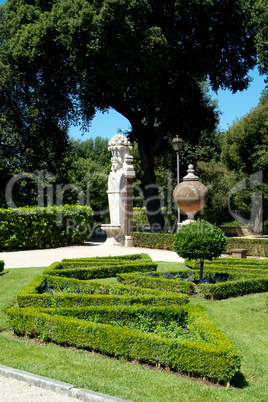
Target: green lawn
<point>242,319</point>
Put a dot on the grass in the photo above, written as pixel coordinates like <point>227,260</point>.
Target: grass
<point>242,319</point>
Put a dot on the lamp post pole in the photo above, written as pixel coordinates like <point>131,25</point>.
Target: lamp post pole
<point>177,144</point>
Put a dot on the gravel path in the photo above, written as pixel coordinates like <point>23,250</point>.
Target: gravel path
<point>12,390</point>
<point>45,257</point>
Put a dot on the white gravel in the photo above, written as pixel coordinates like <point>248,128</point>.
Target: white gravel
<point>12,390</point>
<point>45,257</point>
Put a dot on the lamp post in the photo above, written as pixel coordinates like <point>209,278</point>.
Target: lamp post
<point>177,144</point>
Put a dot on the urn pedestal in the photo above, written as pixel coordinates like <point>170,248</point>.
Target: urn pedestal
<point>190,195</point>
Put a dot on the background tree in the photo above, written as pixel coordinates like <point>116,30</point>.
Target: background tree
<point>146,59</point>
<point>239,175</point>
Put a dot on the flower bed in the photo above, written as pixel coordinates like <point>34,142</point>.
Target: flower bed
<point>149,325</point>
<point>217,284</point>
<point>208,354</point>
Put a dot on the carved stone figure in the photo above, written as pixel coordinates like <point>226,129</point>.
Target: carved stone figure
<point>119,191</point>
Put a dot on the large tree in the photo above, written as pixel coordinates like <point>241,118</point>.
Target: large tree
<point>147,59</point>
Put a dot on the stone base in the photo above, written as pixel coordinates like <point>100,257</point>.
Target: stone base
<point>112,231</point>
<point>128,241</point>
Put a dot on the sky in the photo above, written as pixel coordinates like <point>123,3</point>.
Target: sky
<point>232,107</point>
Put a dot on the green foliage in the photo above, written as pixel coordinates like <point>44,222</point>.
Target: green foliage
<point>233,288</point>
<point>105,269</point>
<point>256,247</point>
<point>139,217</point>
<point>2,265</point>
<point>33,227</point>
<point>152,282</point>
<point>215,357</point>
<point>65,66</point>
<point>153,240</point>
<point>227,263</point>
<point>200,240</point>
<point>88,167</point>
<point>245,143</point>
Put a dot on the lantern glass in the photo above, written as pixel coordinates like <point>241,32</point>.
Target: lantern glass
<point>177,143</point>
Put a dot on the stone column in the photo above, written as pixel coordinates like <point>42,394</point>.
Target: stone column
<point>128,219</point>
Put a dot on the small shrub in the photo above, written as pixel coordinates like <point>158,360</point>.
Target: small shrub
<point>199,241</point>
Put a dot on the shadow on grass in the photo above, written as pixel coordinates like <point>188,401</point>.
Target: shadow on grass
<point>239,380</point>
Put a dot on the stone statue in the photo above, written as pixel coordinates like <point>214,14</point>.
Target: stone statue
<point>116,180</point>
<point>119,181</point>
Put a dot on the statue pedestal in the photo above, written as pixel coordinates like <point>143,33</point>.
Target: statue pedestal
<point>112,231</point>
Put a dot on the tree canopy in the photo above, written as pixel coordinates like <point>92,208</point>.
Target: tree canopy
<point>146,59</point>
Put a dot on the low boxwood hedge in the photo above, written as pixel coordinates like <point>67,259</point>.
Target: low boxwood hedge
<point>136,279</point>
<point>34,295</point>
<point>224,290</point>
<point>216,285</point>
<point>92,270</point>
<point>214,357</point>
<point>230,263</point>
<point>116,258</point>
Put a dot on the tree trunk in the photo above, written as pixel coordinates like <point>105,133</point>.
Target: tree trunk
<point>153,201</point>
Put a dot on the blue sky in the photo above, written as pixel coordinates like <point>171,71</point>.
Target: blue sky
<point>232,107</point>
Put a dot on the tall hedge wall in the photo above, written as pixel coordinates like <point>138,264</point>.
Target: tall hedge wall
<point>34,227</point>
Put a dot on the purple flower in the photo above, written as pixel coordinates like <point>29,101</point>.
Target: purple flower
<point>166,327</point>
<point>65,284</point>
<point>118,317</point>
<point>78,291</point>
<point>145,314</point>
<point>178,321</point>
<point>85,316</point>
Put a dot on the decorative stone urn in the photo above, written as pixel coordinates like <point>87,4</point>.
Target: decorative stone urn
<point>190,195</point>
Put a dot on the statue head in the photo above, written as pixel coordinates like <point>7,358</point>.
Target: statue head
<point>116,163</point>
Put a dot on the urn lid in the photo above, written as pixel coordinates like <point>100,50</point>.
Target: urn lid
<point>190,174</point>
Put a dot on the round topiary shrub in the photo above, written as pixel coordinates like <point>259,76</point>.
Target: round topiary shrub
<point>201,241</point>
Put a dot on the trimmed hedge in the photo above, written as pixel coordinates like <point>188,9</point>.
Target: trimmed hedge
<point>2,265</point>
<point>66,285</point>
<point>255,247</point>
<point>97,270</point>
<point>33,296</point>
<point>223,290</point>
<point>35,228</point>
<point>153,240</point>
<point>215,358</point>
<point>117,258</point>
<point>146,281</point>
<point>230,263</point>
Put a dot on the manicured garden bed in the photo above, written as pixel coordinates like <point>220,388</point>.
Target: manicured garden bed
<point>101,316</point>
<point>242,319</point>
